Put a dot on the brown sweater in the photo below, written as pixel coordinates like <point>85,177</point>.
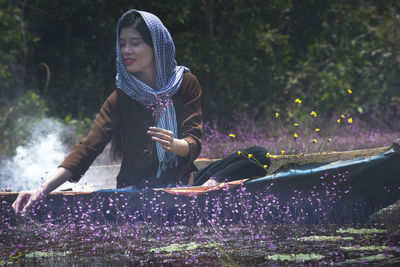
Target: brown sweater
<point>131,119</point>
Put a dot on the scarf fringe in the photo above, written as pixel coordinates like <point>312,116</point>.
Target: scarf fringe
<point>170,161</point>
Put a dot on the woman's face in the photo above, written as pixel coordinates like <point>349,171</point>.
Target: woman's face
<point>138,56</point>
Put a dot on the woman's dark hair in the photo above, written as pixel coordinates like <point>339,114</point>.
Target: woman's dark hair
<point>135,20</point>
<point>116,149</point>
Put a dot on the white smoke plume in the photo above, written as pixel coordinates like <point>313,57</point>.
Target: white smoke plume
<point>41,156</point>
<point>33,161</point>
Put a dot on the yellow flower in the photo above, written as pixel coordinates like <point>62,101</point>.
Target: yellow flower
<point>317,129</point>
<point>349,91</point>
<point>268,155</point>
<point>329,139</point>
<point>295,136</point>
<point>314,140</point>
<point>283,152</point>
<point>338,121</point>
<point>275,157</point>
<point>276,115</point>
<point>239,152</point>
<point>313,113</point>
<point>295,124</point>
<point>265,166</point>
<point>350,120</point>
<point>232,135</point>
<point>297,101</point>
<point>250,156</point>
<point>343,116</point>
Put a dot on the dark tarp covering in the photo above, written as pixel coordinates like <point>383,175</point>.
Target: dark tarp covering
<point>374,181</point>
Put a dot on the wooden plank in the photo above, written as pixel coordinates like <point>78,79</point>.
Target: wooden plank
<point>279,160</point>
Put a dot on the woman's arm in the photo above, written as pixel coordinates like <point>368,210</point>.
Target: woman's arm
<point>79,159</point>
<point>188,109</point>
<point>26,199</point>
<point>83,154</point>
<point>190,114</point>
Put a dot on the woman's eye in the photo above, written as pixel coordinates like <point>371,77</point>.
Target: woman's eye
<point>136,44</point>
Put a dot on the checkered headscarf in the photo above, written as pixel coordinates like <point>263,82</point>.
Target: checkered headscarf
<point>169,78</point>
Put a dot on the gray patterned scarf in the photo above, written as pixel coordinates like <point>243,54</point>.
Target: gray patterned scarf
<point>169,78</point>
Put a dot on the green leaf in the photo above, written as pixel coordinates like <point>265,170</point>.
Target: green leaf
<point>295,257</point>
<point>4,263</point>
<point>181,247</point>
<point>361,231</point>
<point>373,247</point>
<point>377,257</point>
<point>323,238</point>
<point>41,254</point>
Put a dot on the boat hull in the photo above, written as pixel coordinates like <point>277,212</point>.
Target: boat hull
<point>363,185</point>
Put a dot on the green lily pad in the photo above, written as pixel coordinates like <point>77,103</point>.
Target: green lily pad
<point>4,263</point>
<point>361,231</point>
<point>378,248</point>
<point>377,257</point>
<point>324,238</point>
<point>41,254</point>
<point>295,257</point>
<point>181,247</point>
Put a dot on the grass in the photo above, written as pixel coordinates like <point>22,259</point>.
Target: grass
<point>248,131</point>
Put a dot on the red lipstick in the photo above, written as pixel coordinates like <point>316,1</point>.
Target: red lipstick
<point>129,61</point>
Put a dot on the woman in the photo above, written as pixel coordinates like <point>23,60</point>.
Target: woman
<point>153,118</point>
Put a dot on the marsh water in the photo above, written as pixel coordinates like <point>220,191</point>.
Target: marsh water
<point>227,230</point>
<point>237,245</point>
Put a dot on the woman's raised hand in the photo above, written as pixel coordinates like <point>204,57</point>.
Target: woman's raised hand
<point>164,137</point>
<point>26,199</point>
<point>167,141</point>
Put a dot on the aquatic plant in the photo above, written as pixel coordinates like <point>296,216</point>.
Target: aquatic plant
<point>233,227</point>
<point>271,134</point>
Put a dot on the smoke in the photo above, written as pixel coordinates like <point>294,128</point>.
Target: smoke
<point>36,160</point>
<point>33,161</point>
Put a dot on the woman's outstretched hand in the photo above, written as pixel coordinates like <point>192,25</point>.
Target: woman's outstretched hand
<point>26,199</point>
<point>167,141</point>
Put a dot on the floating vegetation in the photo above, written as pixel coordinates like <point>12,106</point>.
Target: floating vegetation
<point>378,257</point>
<point>182,247</point>
<point>42,254</point>
<point>324,238</point>
<point>295,257</point>
<point>233,227</point>
<point>361,231</point>
<point>148,244</point>
<point>5,263</point>
<point>371,248</point>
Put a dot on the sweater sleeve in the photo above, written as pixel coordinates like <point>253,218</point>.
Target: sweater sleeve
<point>192,126</point>
<point>83,154</point>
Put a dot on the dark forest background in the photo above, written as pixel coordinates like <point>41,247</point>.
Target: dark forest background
<point>57,57</point>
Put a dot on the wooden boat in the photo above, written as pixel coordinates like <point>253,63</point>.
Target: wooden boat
<point>373,176</point>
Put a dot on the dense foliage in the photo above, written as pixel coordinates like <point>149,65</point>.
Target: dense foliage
<point>248,55</point>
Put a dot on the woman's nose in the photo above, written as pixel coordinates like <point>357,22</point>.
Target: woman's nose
<point>127,49</point>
